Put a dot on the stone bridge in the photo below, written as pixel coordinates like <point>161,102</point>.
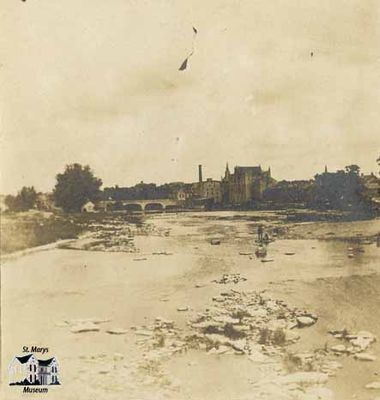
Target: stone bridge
<point>158,205</point>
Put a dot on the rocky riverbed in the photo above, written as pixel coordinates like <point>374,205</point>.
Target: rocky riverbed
<point>155,310</point>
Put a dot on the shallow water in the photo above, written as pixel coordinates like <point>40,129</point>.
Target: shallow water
<point>42,288</point>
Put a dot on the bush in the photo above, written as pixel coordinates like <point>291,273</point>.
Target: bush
<point>25,199</point>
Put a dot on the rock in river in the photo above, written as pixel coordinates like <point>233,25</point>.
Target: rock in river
<point>84,327</point>
<point>373,385</point>
<point>116,331</point>
<point>363,340</point>
<point>305,321</point>
<point>365,357</point>
<point>339,348</point>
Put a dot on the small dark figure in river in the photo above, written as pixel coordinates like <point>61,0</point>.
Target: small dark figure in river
<point>260,231</point>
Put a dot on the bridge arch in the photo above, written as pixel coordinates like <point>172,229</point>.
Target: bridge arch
<point>133,207</point>
<point>154,207</point>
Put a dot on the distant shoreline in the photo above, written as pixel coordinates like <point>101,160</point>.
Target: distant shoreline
<point>28,232</point>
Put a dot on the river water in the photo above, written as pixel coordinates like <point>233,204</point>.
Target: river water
<point>42,289</point>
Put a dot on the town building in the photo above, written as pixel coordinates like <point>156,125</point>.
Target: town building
<point>212,190</point>
<point>245,185</point>
<point>209,191</point>
<point>28,370</point>
<point>183,194</point>
<point>88,207</point>
<point>371,185</point>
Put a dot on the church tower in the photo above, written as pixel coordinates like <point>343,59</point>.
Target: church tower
<point>227,173</point>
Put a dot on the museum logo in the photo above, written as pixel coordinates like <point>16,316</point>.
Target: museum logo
<point>32,373</point>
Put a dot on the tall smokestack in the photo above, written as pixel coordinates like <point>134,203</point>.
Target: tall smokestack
<point>200,172</point>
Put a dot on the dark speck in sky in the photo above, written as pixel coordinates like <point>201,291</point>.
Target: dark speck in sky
<point>183,65</point>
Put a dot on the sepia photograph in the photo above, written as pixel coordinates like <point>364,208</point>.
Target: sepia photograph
<point>190,200</point>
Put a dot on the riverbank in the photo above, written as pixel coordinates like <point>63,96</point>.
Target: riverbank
<point>25,230</point>
<point>33,229</point>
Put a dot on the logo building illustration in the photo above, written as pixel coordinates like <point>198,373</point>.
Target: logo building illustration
<point>28,370</point>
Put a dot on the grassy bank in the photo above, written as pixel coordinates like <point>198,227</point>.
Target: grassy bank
<point>23,230</point>
<point>20,231</point>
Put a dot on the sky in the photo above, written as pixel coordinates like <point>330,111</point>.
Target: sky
<point>97,82</point>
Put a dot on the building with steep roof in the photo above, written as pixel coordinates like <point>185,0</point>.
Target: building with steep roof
<point>245,185</point>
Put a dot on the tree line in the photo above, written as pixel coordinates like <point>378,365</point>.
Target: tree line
<point>77,185</point>
<point>74,187</point>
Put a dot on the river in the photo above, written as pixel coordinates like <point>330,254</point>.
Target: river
<point>42,289</point>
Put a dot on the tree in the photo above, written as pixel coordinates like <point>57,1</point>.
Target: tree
<point>75,187</point>
<point>340,190</point>
<point>25,199</point>
<point>10,202</point>
<point>352,169</point>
